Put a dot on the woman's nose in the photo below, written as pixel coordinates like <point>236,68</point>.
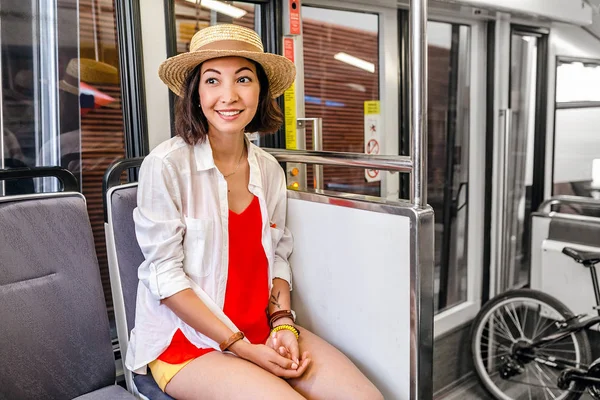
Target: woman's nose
<point>229,95</point>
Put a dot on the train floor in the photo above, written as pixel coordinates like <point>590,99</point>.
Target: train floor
<point>473,390</point>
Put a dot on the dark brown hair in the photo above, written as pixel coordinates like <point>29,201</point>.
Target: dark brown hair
<point>191,123</point>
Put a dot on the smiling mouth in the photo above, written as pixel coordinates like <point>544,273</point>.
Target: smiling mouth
<point>229,113</point>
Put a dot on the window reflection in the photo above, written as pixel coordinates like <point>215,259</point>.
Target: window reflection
<point>61,97</point>
<point>341,73</point>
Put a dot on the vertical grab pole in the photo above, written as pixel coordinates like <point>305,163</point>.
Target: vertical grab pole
<point>418,100</point>
<point>2,187</point>
<point>318,146</point>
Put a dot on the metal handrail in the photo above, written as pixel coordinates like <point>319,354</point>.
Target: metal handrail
<point>567,200</point>
<point>64,176</point>
<point>357,160</point>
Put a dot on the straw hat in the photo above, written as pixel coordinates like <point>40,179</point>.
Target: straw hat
<point>227,40</point>
<point>92,71</point>
<point>86,70</point>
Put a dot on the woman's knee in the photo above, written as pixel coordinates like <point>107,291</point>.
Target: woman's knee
<point>332,375</point>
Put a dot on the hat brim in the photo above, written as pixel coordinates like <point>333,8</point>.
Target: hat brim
<point>280,71</point>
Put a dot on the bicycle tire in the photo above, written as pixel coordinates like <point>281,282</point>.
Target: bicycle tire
<point>585,352</point>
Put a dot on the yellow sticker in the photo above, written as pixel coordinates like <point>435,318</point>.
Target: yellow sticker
<point>289,101</point>
<point>372,107</point>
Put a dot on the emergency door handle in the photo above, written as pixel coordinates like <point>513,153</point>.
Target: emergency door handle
<point>317,140</point>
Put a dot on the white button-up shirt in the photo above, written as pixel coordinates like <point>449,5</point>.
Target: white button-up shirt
<point>181,223</point>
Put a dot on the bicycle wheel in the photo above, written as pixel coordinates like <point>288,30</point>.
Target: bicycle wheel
<point>508,323</point>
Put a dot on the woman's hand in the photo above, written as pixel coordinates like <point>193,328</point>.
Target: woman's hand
<point>286,344</point>
<point>268,359</point>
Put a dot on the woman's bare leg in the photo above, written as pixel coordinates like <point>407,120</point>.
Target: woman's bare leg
<point>331,375</point>
<point>222,376</point>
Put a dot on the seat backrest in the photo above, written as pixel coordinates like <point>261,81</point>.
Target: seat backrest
<point>53,321</point>
<point>124,258</point>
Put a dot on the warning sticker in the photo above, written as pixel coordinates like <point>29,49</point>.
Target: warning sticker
<point>372,136</point>
<point>289,101</point>
<point>372,107</point>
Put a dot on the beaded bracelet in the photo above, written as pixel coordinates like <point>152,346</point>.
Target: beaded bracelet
<point>287,327</point>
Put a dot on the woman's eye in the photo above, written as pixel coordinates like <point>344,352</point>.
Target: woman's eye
<point>211,81</point>
<point>244,79</point>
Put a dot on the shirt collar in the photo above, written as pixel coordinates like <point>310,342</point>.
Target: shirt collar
<point>205,160</point>
<point>204,156</point>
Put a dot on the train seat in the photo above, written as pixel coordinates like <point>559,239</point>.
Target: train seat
<point>124,257</point>
<point>55,331</point>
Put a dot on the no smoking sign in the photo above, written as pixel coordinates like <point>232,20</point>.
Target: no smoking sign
<point>372,136</point>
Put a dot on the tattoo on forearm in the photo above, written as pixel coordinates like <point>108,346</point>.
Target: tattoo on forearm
<point>275,300</point>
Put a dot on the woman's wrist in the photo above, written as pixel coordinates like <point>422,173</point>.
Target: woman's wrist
<point>276,316</point>
<point>283,321</point>
<point>240,348</point>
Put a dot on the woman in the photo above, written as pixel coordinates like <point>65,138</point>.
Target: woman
<point>213,316</point>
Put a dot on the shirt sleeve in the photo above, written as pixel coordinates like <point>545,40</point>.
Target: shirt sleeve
<point>159,228</point>
<point>283,241</point>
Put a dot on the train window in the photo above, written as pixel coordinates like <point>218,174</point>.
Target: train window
<point>192,15</point>
<point>448,156</point>
<point>576,142</point>
<point>61,97</point>
<point>577,83</point>
<point>341,82</point>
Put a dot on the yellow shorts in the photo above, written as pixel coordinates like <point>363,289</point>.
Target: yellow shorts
<point>163,372</point>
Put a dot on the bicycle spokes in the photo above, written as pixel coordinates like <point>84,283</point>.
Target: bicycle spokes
<point>516,366</point>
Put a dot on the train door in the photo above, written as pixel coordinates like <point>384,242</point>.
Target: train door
<point>520,151</point>
<point>455,163</point>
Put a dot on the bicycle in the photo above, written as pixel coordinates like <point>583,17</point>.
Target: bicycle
<point>528,345</point>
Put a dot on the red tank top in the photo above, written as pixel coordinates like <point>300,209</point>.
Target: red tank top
<point>247,293</point>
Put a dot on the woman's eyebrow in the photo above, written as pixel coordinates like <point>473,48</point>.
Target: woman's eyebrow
<point>243,69</point>
<point>211,70</point>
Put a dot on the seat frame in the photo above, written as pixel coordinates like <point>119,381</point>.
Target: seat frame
<point>117,288</point>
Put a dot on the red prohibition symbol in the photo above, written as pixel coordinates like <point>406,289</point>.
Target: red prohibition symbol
<point>372,147</point>
<point>372,173</point>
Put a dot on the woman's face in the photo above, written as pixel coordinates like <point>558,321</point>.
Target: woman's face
<point>229,91</point>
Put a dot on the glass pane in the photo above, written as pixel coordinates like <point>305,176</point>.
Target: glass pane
<point>35,50</point>
<point>448,156</point>
<point>101,132</point>
<point>519,168</point>
<point>61,97</point>
<point>341,73</point>
<point>576,141</point>
<point>191,16</point>
<point>578,82</point>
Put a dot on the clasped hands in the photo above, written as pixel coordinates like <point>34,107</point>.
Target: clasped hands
<point>285,344</point>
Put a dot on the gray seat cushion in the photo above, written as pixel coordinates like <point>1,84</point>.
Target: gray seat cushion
<point>113,392</point>
<point>54,325</point>
<point>147,386</point>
